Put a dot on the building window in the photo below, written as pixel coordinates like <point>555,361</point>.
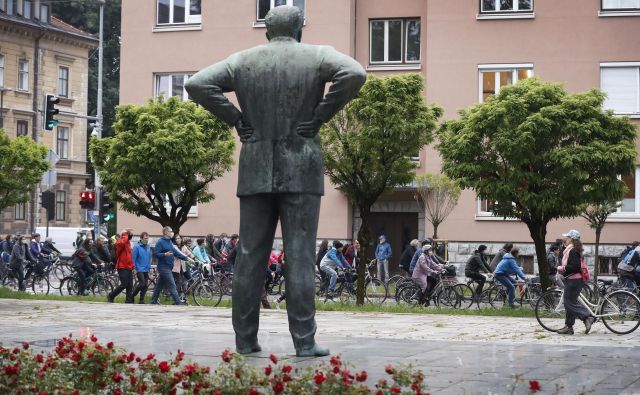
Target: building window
<point>622,86</point>
<point>394,41</point>
<point>631,200</point>
<point>179,11</point>
<point>26,9</point>
<point>1,69</point>
<point>20,210</point>
<point>11,6</point>
<point>620,5</point>
<point>63,81</point>
<point>168,85</point>
<point>44,13</point>
<point>63,142</point>
<point>264,6</point>
<point>61,199</point>
<point>23,75</point>
<point>22,128</point>
<point>3,5</point>
<point>505,6</point>
<point>494,77</point>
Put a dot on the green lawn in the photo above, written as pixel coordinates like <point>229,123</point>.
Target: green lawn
<point>388,307</point>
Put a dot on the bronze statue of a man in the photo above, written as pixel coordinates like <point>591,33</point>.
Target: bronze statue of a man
<point>280,87</point>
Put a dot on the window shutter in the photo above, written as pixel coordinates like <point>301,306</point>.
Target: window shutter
<point>622,88</point>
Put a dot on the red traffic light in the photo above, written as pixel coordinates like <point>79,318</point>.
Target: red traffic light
<point>88,196</point>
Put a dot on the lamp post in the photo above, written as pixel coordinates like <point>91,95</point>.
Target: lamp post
<point>2,91</point>
<point>97,130</point>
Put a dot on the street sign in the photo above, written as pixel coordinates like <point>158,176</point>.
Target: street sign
<point>93,215</point>
<point>52,157</point>
<point>49,179</point>
<point>96,229</point>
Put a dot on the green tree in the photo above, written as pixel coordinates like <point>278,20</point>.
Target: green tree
<point>368,145</point>
<point>439,196</point>
<point>22,163</point>
<point>596,215</point>
<point>85,15</point>
<point>162,157</point>
<point>540,154</point>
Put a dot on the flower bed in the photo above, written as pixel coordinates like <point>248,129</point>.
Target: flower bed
<point>88,367</point>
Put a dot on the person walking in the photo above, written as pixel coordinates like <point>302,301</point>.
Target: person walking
<point>141,255</point>
<point>165,253</point>
<point>16,260</point>
<point>407,255</point>
<point>383,253</point>
<point>507,268</point>
<point>124,266</point>
<point>571,268</point>
<point>498,258</point>
<point>552,262</point>
<point>476,266</point>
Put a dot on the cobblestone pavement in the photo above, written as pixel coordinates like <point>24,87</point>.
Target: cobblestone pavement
<point>459,354</point>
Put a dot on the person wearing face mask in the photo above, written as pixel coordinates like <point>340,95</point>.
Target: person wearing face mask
<point>476,266</point>
<point>124,266</point>
<point>141,255</point>
<point>425,266</point>
<point>16,261</point>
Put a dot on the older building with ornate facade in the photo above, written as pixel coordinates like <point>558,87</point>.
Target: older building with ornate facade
<point>42,55</point>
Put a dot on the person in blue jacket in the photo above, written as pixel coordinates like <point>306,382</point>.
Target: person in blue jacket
<point>507,268</point>
<point>141,255</point>
<point>332,261</point>
<point>383,253</point>
<point>165,254</point>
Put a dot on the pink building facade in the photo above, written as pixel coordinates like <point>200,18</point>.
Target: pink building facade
<point>466,50</point>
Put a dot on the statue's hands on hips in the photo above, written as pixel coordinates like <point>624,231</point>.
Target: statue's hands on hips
<point>308,129</point>
<point>244,131</point>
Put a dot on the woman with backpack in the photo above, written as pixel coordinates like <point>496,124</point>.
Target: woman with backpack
<point>571,268</point>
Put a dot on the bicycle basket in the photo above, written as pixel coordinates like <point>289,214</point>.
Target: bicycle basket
<point>449,271</point>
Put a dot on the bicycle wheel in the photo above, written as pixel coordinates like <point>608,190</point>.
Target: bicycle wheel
<point>549,310</point>
<point>101,287</point>
<point>497,297</point>
<point>205,295</point>
<point>465,295</point>
<point>588,294</point>
<point>531,296</point>
<point>40,285</point>
<point>69,286</point>
<point>621,312</point>
<point>399,286</point>
<point>447,297</point>
<point>347,295</point>
<point>375,292</point>
<point>411,295</point>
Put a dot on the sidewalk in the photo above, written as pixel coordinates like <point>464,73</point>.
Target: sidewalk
<point>457,353</point>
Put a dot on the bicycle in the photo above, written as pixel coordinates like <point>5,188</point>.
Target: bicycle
<point>619,310</point>
<point>35,278</point>
<point>444,293</point>
<point>202,292</point>
<point>375,291</point>
<point>526,292</point>
<point>97,283</point>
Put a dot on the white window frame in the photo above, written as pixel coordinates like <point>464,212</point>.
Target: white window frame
<point>499,68</point>
<point>497,10</point>
<point>636,213</point>
<point>2,60</point>
<point>193,210</point>
<point>386,41</point>
<point>272,4</point>
<point>157,76</point>
<point>66,86</point>
<point>68,140</point>
<point>631,65</point>
<point>23,72</point>
<point>608,9</point>
<point>188,18</point>
<point>405,39</point>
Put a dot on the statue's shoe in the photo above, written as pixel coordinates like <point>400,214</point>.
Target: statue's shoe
<point>315,351</point>
<point>249,350</point>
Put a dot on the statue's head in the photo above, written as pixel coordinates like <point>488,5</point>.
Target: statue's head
<point>284,21</point>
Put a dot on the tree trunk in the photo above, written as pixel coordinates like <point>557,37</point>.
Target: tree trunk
<point>435,230</point>
<point>364,237</point>
<point>596,264</point>
<point>538,232</point>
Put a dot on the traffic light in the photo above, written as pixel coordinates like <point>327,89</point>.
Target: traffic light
<point>106,207</point>
<point>87,199</point>
<point>50,111</point>
<point>48,201</point>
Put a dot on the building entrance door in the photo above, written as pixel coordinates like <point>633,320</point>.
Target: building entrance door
<point>399,228</point>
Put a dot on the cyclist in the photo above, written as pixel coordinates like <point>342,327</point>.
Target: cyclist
<point>507,268</point>
<point>331,263</point>
<point>81,263</point>
<point>476,265</point>
<point>572,270</point>
<point>418,254</point>
<point>16,260</point>
<point>407,255</point>
<point>425,266</point>
<point>48,244</point>
<point>498,258</point>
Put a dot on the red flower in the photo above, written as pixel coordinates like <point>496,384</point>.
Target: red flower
<point>9,370</point>
<point>335,360</point>
<point>179,356</point>
<point>39,358</point>
<point>25,345</point>
<point>287,368</point>
<point>131,357</point>
<point>361,376</point>
<point>164,366</point>
<point>379,392</point>
<point>138,359</point>
<point>116,377</point>
<point>286,378</point>
<point>190,369</point>
<point>93,338</point>
<point>16,350</point>
<point>253,392</point>
<point>336,369</point>
<point>396,390</point>
<point>319,378</point>
<point>133,380</point>
<point>267,370</point>
<point>389,369</point>
<point>237,374</point>
<point>110,345</point>
<point>150,357</point>
<point>80,345</point>
<point>273,358</point>
<point>75,392</point>
<point>117,391</point>
<point>278,387</point>
<point>534,386</point>
<point>226,355</point>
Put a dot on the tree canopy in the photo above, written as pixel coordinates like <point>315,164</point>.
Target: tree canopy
<point>368,146</point>
<point>539,153</point>
<point>162,158</point>
<point>22,163</point>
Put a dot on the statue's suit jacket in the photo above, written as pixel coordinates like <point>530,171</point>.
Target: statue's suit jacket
<point>279,85</point>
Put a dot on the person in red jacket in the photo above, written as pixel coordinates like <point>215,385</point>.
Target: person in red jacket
<point>124,265</point>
